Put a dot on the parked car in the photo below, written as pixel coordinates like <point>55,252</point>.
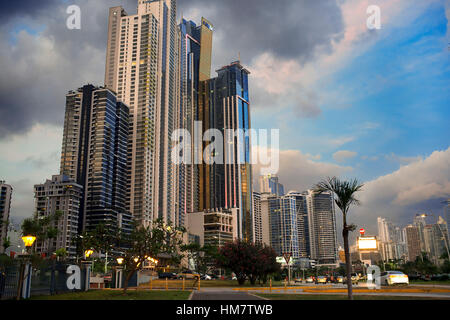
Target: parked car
<point>339,279</point>
<point>390,278</point>
<point>309,280</point>
<point>168,275</point>
<point>205,277</point>
<point>321,279</point>
<point>425,277</point>
<point>355,278</point>
<point>188,274</point>
<point>414,276</point>
<point>298,280</point>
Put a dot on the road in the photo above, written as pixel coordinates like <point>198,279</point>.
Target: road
<point>222,294</point>
<point>230,294</point>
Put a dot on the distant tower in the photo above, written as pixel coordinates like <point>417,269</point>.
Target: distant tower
<point>5,208</point>
<point>270,184</point>
<point>413,242</point>
<point>322,227</point>
<point>283,225</point>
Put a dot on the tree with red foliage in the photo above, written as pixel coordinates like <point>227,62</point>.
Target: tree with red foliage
<point>248,260</point>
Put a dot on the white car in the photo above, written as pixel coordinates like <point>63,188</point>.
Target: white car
<point>390,278</point>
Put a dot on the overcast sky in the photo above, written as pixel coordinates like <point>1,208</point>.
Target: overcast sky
<point>349,101</point>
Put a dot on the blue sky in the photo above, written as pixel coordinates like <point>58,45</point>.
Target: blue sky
<point>400,102</point>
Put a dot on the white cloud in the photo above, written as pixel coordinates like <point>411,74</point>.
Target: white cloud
<point>402,160</point>
<point>344,155</point>
<point>420,185</point>
<point>299,172</point>
<point>29,159</point>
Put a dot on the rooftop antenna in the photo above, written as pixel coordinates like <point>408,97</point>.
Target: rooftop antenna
<point>239,56</point>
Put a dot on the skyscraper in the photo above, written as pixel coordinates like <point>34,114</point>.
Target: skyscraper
<point>5,207</point>
<point>283,225</point>
<point>270,184</point>
<point>420,222</point>
<point>301,207</point>
<point>94,155</point>
<point>141,66</point>
<point>60,193</point>
<point>194,66</point>
<point>413,242</point>
<point>224,105</point>
<point>322,227</point>
<point>386,233</point>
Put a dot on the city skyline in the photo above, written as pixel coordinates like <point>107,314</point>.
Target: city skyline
<point>405,168</point>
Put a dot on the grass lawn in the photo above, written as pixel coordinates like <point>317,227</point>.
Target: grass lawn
<point>336,297</point>
<point>118,295</point>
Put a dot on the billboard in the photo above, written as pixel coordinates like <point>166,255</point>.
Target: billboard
<point>283,262</point>
<point>367,243</point>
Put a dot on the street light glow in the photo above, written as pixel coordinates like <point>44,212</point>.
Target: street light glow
<point>28,240</point>
<point>88,253</point>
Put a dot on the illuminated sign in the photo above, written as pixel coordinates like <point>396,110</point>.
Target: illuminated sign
<point>367,243</point>
<point>282,261</point>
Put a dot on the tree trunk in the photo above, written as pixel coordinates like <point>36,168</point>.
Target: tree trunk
<point>348,262</point>
<point>125,285</point>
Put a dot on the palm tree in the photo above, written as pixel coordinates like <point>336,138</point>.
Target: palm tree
<point>344,196</point>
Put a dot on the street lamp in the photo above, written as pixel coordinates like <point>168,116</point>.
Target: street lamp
<point>119,261</point>
<point>88,253</point>
<point>28,241</point>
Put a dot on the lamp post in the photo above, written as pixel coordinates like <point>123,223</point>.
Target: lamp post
<point>88,253</point>
<point>28,241</point>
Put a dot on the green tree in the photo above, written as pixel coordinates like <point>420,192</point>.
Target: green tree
<point>203,257</point>
<point>144,242</point>
<point>61,254</point>
<point>6,243</point>
<point>43,227</point>
<point>344,197</point>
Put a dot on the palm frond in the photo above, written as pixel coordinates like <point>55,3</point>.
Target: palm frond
<point>343,191</point>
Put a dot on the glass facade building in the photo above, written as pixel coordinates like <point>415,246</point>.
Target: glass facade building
<point>94,155</point>
<point>224,106</point>
<point>270,184</point>
<point>322,227</point>
<point>194,66</point>
<point>283,225</point>
<point>301,208</point>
